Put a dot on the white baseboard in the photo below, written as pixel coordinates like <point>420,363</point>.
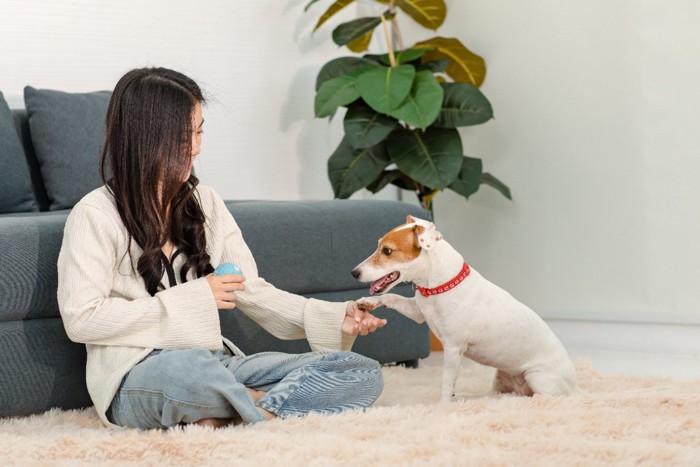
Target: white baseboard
<point>644,345</point>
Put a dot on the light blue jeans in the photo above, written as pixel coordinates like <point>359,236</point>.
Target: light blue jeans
<point>170,387</point>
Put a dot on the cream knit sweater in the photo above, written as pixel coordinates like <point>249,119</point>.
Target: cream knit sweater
<point>104,303</point>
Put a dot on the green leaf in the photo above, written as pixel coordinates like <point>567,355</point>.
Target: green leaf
<point>364,127</point>
<point>469,178</point>
<point>490,180</point>
<point>334,93</point>
<point>423,104</point>
<point>463,105</point>
<point>385,88</point>
<point>403,56</point>
<point>332,10</point>
<point>432,158</point>
<point>378,59</point>
<point>395,177</point>
<point>348,32</point>
<point>436,66</point>
<point>341,66</point>
<point>427,13</point>
<point>464,67</point>
<point>361,43</point>
<point>308,5</point>
<point>350,170</point>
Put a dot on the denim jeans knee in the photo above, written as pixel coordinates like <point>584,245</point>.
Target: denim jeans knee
<point>183,386</point>
<point>326,383</point>
<point>180,386</point>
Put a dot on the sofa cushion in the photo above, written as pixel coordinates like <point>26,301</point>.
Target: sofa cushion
<point>68,135</point>
<point>16,194</point>
<point>28,269</point>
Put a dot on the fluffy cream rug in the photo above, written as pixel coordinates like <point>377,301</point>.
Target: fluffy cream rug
<point>617,421</point>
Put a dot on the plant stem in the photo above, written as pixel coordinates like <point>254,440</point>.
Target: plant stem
<point>397,40</point>
<point>390,47</point>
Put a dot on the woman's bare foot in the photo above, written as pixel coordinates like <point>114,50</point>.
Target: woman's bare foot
<point>256,395</point>
<point>218,422</point>
<point>221,422</point>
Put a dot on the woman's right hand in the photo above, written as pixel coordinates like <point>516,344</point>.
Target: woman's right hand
<point>224,287</point>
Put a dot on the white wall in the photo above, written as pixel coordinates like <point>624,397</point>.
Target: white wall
<point>596,108</point>
<point>595,102</point>
<point>257,60</point>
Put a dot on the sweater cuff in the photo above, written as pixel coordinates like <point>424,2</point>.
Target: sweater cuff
<point>191,314</point>
<point>322,324</point>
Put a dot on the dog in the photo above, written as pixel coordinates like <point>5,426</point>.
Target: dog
<point>470,316</point>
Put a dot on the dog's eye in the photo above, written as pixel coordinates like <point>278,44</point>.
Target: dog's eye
<point>386,250</point>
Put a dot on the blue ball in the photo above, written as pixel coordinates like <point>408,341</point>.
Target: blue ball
<point>227,268</point>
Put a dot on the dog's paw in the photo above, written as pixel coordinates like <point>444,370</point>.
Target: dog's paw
<point>368,304</point>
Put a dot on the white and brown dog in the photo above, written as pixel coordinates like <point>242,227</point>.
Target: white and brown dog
<point>470,315</point>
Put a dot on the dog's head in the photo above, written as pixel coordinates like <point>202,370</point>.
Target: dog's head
<point>398,255</point>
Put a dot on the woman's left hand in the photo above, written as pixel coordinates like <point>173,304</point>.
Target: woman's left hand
<point>359,322</point>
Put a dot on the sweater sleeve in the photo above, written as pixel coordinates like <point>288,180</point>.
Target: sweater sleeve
<point>283,314</point>
<point>93,313</point>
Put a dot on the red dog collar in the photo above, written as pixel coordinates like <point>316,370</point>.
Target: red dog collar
<point>447,285</point>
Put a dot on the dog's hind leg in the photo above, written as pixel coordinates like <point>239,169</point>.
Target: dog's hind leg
<point>450,371</point>
<point>502,383</point>
<point>505,383</point>
<point>554,384</point>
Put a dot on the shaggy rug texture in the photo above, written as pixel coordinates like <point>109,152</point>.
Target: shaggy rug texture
<point>616,421</point>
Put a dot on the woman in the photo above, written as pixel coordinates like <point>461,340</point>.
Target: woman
<point>135,286</point>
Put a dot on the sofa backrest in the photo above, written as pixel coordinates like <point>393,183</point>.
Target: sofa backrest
<point>53,160</point>
<point>304,247</point>
<point>22,124</point>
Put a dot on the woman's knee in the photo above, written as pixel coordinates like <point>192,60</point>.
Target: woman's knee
<point>355,361</point>
<point>366,372</point>
<point>183,366</point>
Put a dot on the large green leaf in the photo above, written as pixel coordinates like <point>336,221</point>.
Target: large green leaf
<point>436,66</point>
<point>403,56</point>
<point>424,102</point>
<point>427,13</point>
<point>465,66</point>
<point>351,169</point>
<point>364,127</point>
<point>469,178</point>
<point>332,10</point>
<point>385,88</point>
<point>432,158</point>
<point>341,66</point>
<point>490,180</point>
<point>361,43</point>
<point>334,93</point>
<point>395,177</point>
<point>463,105</point>
<point>348,32</point>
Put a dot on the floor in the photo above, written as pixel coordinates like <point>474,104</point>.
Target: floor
<point>627,363</point>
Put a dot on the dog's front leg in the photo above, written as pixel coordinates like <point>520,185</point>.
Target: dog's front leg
<point>450,371</point>
<point>404,305</point>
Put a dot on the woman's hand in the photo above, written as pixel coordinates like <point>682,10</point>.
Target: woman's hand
<point>224,287</point>
<point>359,321</point>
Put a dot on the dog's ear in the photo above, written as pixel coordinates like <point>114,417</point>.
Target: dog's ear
<point>427,236</point>
<point>410,219</point>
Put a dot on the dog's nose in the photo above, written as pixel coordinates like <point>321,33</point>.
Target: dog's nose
<point>355,273</point>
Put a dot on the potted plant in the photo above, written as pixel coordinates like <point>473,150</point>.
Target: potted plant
<point>404,107</point>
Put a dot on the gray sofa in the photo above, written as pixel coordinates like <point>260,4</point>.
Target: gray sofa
<point>306,247</point>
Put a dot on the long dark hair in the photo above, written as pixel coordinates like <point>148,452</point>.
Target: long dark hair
<point>148,147</point>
